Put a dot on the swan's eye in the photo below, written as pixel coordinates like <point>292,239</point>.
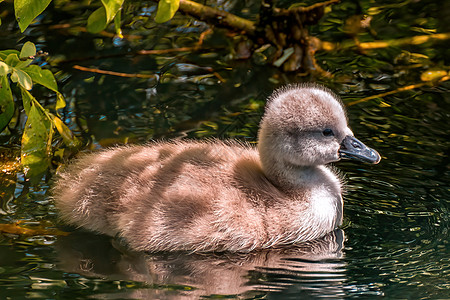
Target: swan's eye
<point>328,132</point>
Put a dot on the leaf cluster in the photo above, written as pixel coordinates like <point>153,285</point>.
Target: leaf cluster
<point>36,150</point>
<point>17,68</point>
<point>27,10</point>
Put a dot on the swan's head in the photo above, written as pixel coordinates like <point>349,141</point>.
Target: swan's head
<point>306,125</point>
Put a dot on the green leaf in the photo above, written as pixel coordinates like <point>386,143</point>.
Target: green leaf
<point>117,22</point>
<point>4,69</point>
<point>27,10</point>
<point>27,99</point>
<point>97,20</point>
<point>69,139</point>
<point>36,142</point>
<point>12,59</point>
<point>28,49</point>
<point>166,10</point>
<point>111,7</point>
<point>23,64</point>
<point>42,76</point>
<point>4,54</point>
<point>6,103</point>
<point>60,102</point>
<point>22,78</point>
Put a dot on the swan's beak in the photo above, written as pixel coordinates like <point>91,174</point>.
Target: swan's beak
<point>352,148</point>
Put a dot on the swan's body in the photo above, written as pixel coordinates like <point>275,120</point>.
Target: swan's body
<point>221,196</point>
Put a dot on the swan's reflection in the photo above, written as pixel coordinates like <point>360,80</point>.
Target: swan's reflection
<point>313,268</point>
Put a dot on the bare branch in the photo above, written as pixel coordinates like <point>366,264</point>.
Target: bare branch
<point>216,16</point>
<point>114,73</point>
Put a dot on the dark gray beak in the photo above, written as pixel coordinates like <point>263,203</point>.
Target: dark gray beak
<point>352,148</point>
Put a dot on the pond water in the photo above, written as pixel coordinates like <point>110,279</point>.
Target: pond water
<point>394,241</point>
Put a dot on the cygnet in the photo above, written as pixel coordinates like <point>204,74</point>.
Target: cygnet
<point>221,195</point>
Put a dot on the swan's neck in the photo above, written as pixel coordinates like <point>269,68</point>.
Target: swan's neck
<point>291,177</point>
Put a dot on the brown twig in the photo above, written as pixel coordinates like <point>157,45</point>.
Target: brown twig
<point>203,36</point>
<point>196,47</point>
<point>218,76</point>
<point>114,73</point>
<point>128,75</point>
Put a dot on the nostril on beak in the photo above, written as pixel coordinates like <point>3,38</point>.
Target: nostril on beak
<point>352,148</point>
<point>356,145</point>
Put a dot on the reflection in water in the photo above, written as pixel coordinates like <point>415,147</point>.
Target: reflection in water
<point>315,268</point>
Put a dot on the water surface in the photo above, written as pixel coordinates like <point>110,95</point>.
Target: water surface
<point>394,241</point>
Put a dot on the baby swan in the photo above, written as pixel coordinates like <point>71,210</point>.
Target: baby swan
<point>221,195</point>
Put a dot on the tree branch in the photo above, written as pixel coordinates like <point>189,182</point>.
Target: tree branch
<point>114,73</point>
<point>216,16</point>
<point>283,28</point>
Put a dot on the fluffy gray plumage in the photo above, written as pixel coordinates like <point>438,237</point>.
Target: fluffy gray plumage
<point>218,195</point>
